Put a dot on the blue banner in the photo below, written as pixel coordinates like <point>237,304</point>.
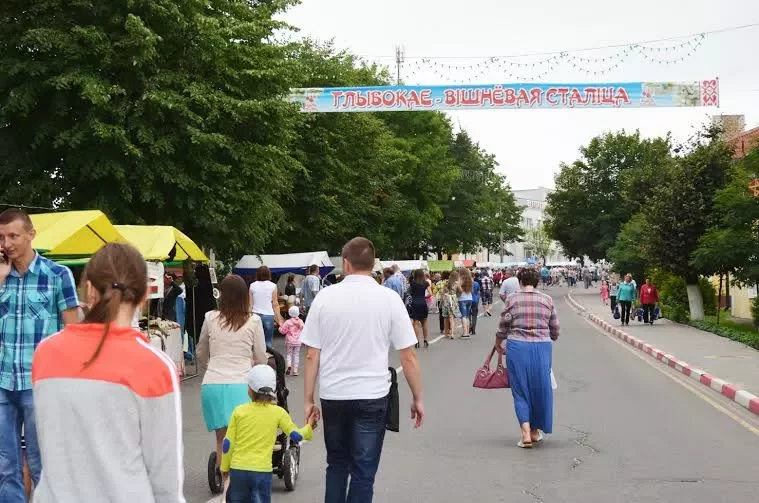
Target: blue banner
<point>508,96</point>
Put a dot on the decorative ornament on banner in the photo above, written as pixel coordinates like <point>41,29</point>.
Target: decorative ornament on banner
<point>521,69</point>
<point>508,96</point>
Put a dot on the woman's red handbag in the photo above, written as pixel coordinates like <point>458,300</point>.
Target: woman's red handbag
<point>492,379</point>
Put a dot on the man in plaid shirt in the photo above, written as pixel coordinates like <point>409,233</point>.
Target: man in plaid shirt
<point>37,298</point>
<point>486,293</point>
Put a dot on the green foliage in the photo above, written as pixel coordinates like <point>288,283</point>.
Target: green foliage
<point>160,112</point>
<point>741,333</point>
<point>730,243</point>
<point>538,243</point>
<point>755,311</point>
<point>602,190</point>
<point>628,255</point>
<point>680,207</point>
<point>673,295</point>
<point>709,294</point>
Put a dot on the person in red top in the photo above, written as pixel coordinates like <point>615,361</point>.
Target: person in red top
<point>649,297</point>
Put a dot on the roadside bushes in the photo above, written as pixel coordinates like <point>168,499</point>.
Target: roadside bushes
<point>709,293</point>
<point>755,312</point>
<point>673,296</point>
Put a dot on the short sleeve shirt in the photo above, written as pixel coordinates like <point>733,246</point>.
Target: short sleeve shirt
<point>30,311</point>
<point>310,284</point>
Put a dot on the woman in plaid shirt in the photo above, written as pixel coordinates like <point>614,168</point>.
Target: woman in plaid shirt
<point>530,324</point>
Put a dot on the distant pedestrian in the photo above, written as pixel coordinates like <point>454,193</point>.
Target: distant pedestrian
<point>626,296</point>
<point>529,324</point>
<point>649,297</point>
<point>265,302</point>
<point>474,311</point>
<point>613,292</point>
<point>310,288</point>
<point>465,300</point>
<point>349,333</point>
<point>419,311</point>
<point>486,293</point>
<point>292,330</point>
<point>509,285</point>
<point>605,293</point>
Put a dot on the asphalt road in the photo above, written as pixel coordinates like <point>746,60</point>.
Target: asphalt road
<point>624,431</point>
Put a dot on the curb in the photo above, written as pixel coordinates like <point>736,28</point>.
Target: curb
<point>726,389</point>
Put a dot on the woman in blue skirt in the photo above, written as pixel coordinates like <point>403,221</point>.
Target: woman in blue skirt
<point>231,342</point>
<point>530,324</point>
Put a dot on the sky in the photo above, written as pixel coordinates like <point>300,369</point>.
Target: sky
<point>530,145</point>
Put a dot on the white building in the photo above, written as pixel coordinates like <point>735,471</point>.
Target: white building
<point>533,202</point>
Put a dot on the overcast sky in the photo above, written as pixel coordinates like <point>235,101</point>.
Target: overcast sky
<point>530,144</point>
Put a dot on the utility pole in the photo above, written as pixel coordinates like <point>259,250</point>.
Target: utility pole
<point>400,58</point>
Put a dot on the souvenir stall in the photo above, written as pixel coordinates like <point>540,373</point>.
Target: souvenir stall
<point>167,250</point>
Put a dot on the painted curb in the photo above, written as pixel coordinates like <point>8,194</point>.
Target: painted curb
<point>735,393</point>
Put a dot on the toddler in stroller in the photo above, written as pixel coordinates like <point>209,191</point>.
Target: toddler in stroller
<point>268,415</point>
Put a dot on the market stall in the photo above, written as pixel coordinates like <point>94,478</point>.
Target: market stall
<point>70,235</point>
<point>406,266</point>
<point>166,247</point>
<point>440,265</point>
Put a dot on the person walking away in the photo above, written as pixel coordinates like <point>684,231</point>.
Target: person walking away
<point>250,439</point>
<point>231,341</point>
<point>486,294</point>
<point>613,293</point>
<point>545,276</point>
<point>109,412</point>
<point>419,312</point>
<point>264,302</point>
<point>451,311</point>
<point>349,334</point>
<point>395,283</point>
<point>291,290</point>
<point>510,285</point>
<point>292,330</point>
<point>430,298</point>
<point>441,288</point>
<point>529,324</point>
<point>605,293</point>
<point>649,297</point>
<point>626,296</point>
<point>475,309</point>
<point>37,298</point>
<point>309,288</point>
<point>465,300</point>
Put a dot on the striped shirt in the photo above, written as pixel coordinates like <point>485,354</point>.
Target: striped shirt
<point>530,316</point>
<point>30,310</point>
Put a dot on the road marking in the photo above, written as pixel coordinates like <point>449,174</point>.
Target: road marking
<point>441,337</point>
<point>654,364</point>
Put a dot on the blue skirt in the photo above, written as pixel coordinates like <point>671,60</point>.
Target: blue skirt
<point>219,401</point>
<point>529,367</point>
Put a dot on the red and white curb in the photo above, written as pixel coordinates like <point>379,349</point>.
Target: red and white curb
<point>726,389</point>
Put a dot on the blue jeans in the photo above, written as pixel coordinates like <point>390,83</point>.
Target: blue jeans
<point>249,487</point>
<point>354,431</point>
<point>17,408</point>
<point>465,306</point>
<point>268,322</point>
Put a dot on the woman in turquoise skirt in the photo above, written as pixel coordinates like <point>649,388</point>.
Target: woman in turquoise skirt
<point>530,324</point>
<point>231,342</point>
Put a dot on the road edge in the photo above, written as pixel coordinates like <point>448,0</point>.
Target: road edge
<point>740,396</point>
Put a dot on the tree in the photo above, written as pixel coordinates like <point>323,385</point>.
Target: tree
<point>679,210</point>
<point>482,208</point>
<point>730,244</point>
<point>538,243</point>
<point>159,112</point>
<point>598,193</point>
<point>630,251</point>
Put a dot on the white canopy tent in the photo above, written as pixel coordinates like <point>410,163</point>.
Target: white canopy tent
<point>405,265</point>
<point>296,263</point>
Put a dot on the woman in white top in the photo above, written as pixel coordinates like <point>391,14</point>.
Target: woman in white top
<point>264,302</point>
<point>231,342</point>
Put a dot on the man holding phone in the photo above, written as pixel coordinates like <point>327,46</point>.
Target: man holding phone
<point>37,298</point>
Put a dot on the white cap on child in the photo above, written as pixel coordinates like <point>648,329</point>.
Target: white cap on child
<point>294,312</point>
<point>262,379</point>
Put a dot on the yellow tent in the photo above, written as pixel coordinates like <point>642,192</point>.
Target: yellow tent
<point>155,242</point>
<point>73,233</point>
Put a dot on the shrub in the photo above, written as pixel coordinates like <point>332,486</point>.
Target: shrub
<point>673,296</point>
<point>746,336</point>
<point>755,311</point>
<point>709,294</point>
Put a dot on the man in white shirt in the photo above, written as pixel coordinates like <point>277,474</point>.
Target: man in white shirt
<point>349,332</point>
<point>510,284</point>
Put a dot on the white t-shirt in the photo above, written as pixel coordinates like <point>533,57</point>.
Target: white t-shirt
<point>510,286</point>
<point>354,323</point>
<point>261,292</point>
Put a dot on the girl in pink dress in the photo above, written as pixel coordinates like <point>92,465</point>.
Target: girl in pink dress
<point>291,330</point>
<point>605,292</point>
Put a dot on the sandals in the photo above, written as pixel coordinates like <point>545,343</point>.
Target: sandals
<point>524,445</point>
<point>426,344</point>
<point>416,345</point>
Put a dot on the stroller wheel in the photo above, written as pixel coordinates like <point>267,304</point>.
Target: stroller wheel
<point>290,467</point>
<point>215,482</point>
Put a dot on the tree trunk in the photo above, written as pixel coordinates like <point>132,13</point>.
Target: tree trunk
<point>719,298</point>
<point>695,302</point>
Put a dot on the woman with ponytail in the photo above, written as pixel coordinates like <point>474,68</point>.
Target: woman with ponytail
<point>109,417</point>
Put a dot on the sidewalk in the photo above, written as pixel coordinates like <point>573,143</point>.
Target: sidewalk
<point>729,367</point>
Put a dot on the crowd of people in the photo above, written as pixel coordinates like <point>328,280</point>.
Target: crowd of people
<point>83,383</point>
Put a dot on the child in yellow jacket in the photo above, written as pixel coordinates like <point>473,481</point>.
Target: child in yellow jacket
<point>252,432</point>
